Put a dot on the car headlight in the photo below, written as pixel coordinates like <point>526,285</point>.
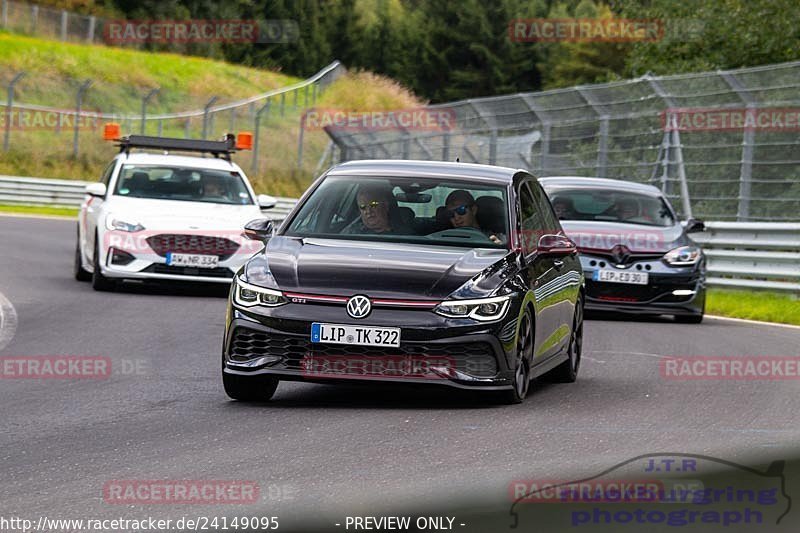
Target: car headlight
<point>247,295</point>
<point>683,256</point>
<point>113,223</point>
<point>483,309</point>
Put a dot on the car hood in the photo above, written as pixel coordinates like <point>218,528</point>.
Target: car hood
<point>379,270</point>
<point>603,236</point>
<point>172,215</point>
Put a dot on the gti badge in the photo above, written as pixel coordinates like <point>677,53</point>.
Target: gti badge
<point>358,306</point>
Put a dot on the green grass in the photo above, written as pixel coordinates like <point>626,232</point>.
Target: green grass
<point>122,77</point>
<point>752,305</point>
<point>39,210</point>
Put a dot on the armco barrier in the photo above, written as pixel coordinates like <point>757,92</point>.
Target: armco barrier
<point>752,255</point>
<point>748,255</point>
<point>69,193</point>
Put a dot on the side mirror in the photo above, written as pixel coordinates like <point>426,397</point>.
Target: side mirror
<point>695,226</point>
<point>259,229</point>
<point>266,201</point>
<point>556,245</point>
<point>96,189</point>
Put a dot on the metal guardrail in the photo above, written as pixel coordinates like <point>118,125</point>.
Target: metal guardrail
<point>68,193</point>
<point>752,255</point>
<point>748,255</point>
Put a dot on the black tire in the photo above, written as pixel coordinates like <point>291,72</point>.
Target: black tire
<point>80,273</point>
<point>689,319</point>
<point>567,372</point>
<point>521,382</point>
<point>99,281</point>
<point>249,388</point>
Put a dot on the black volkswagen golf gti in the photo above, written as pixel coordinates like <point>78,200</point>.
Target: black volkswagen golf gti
<point>413,272</point>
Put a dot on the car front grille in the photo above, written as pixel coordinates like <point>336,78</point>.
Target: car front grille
<point>192,244</point>
<point>219,272</point>
<point>476,359</point>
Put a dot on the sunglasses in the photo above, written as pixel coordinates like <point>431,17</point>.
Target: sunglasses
<point>370,205</point>
<point>460,210</point>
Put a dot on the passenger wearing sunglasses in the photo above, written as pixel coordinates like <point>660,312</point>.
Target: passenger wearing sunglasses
<point>463,213</point>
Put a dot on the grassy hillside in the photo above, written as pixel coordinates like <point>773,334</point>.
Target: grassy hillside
<point>121,77</point>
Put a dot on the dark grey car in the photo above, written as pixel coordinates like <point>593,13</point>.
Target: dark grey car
<point>636,255</point>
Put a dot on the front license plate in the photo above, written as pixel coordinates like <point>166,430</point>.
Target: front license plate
<point>192,260</point>
<point>358,335</point>
<point>615,276</point>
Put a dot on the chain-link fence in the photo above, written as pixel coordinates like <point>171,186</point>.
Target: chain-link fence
<point>51,23</point>
<point>722,145</point>
<point>55,117</point>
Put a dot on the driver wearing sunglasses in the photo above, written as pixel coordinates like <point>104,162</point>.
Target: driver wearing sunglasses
<point>463,213</point>
<point>373,206</point>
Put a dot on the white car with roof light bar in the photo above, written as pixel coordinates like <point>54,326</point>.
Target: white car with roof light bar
<point>161,216</point>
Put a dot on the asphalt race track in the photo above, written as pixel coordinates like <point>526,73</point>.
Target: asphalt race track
<point>320,453</point>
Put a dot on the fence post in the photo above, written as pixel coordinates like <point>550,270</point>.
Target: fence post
<point>296,96</point>
<point>675,141</point>
<point>257,126</point>
<point>160,127</point>
<point>64,20</point>
<point>10,109</point>
<point>748,142</point>
<point>233,120</point>
<point>493,147</point>
<point>34,17</point>
<point>305,99</point>
<point>206,110</point>
<point>78,104</point>
<point>300,143</point>
<point>145,101</point>
<point>446,146</point>
<point>283,103</point>
<point>90,34</point>
<point>314,94</point>
<point>5,14</point>
<point>187,128</point>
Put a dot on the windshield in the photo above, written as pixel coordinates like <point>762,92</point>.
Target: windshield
<point>184,184</point>
<point>613,206</point>
<point>411,210</point>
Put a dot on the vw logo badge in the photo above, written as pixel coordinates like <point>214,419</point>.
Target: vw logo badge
<point>358,306</point>
<point>621,254</point>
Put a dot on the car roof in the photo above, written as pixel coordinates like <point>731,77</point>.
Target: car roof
<point>561,182</point>
<point>145,158</point>
<point>425,169</point>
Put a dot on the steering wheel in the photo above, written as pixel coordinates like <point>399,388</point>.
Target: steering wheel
<point>467,233</point>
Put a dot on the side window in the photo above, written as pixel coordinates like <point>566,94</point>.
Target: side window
<point>531,222</point>
<point>106,177</point>
<point>549,218</point>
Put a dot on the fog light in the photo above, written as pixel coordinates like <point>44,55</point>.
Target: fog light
<point>120,257</point>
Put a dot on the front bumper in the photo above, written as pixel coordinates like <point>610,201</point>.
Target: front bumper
<point>145,263</point>
<point>433,350</point>
<point>670,290</point>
